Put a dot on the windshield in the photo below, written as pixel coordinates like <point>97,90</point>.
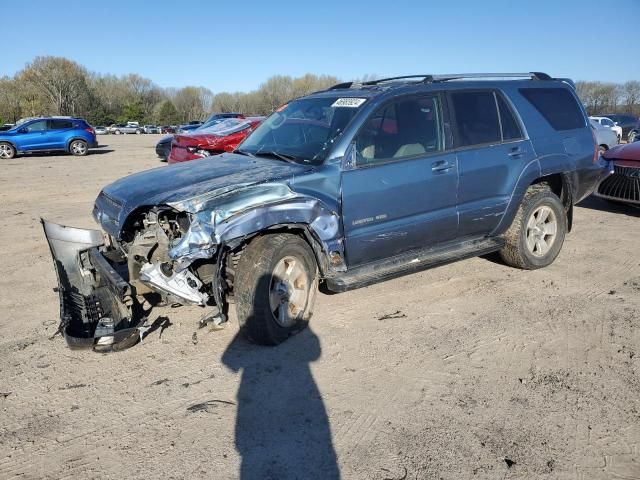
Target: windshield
<point>303,130</point>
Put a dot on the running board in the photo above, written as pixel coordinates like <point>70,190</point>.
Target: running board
<point>410,262</point>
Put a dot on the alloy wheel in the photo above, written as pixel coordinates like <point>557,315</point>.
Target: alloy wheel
<point>541,232</point>
<point>289,291</point>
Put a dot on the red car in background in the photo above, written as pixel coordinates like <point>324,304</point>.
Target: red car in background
<point>624,184</point>
<point>222,137</point>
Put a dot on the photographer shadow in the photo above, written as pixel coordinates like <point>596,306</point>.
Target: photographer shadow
<point>282,429</point>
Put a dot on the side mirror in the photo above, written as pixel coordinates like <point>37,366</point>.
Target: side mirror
<point>615,123</point>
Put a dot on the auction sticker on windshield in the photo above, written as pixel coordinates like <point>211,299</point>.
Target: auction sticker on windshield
<point>349,102</point>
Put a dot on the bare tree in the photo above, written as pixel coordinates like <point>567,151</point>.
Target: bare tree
<point>61,81</point>
<point>631,91</point>
<point>193,103</point>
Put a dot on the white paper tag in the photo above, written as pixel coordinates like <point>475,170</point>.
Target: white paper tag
<point>349,102</point>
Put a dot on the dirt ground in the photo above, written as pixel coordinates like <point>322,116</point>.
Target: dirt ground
<point>472,370</point>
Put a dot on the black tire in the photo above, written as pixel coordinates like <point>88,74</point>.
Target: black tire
<point>78,148</point>
<point>117,132</point>
<point>7,151</point>
<point>138,132</point>
<point>255,284</point>
<point>516,252</point>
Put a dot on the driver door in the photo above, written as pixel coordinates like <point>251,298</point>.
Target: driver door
<point>402,193</point>
<point>33,136</point>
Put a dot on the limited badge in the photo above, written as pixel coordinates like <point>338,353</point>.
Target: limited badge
<point>349,102</point>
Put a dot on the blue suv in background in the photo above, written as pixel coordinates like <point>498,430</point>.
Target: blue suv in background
<point>72,135</point>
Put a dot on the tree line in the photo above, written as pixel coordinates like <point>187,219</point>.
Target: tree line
<point>59,86</point>
<point>603,97</point>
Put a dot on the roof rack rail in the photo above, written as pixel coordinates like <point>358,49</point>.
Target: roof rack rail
<point>445,78</point>
<point>472,76</point>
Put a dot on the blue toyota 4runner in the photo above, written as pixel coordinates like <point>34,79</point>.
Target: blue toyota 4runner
<point>348,186</point>
<point>68,134</point>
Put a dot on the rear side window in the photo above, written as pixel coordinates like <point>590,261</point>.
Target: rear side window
<point>57,124</point>
<point>510,128</point>
<point>476,117</point>
<point>557,106</point>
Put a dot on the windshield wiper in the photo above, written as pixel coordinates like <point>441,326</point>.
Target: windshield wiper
<point>242,152</point>
<point>274,154</point>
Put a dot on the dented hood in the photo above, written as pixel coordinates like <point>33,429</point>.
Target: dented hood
<point>185,181</point>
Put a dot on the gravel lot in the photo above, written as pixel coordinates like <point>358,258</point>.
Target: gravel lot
<point>468,370</point>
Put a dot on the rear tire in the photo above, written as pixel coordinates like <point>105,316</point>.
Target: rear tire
<point>538,230</point>
<point>7,151</point>
<point>79,148</point>
<point>275,288</point>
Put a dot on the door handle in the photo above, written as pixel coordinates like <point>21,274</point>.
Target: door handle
<point>441,166</point>
<point>516,152</point>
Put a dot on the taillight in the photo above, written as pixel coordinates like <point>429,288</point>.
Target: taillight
<point>596,149</point>
<point>90,130</point>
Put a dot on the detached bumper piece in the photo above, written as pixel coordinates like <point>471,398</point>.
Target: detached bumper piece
<point>98,307</point>
<point>623,185</point>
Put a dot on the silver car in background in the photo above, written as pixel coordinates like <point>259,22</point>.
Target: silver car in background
<point>606,137</point>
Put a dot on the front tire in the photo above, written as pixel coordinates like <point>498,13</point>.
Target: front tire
<point>275,288</point>
<point>79,148</point>
<point>7,151</point>
<point>537,233</point>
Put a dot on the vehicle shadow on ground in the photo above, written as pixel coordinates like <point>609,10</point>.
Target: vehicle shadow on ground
<point>601,205</point>
<point>282,429</point>
<point>98,151</point>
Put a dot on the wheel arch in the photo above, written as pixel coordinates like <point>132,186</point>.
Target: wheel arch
<point>73,139</point>
<point>13,144</point>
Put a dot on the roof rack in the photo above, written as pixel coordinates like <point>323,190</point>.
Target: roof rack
<point>445,78</point>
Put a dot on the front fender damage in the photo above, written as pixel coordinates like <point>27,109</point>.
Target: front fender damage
<point>98,307</point>
<point>230,219</point>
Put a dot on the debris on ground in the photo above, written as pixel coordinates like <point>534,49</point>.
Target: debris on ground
<point>396,314</point>
<point>510,463</point>
<point>205,406</point>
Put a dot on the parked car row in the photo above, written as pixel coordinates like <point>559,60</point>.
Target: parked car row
<point>349,186</point>
<point>136,128</point>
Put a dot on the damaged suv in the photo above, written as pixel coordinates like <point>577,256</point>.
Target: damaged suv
<point>346,187</point>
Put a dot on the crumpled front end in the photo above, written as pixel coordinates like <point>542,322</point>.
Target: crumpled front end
<point>98,307</point>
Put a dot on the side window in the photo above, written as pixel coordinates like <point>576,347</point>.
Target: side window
<point>476,118</point>
<point>404,128</point>
<point>58,124</point>
<point>557,106</point>
<point>38,126</point>
<point>510,128</point>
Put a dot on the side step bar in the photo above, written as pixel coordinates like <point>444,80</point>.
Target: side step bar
<point>411,262</point>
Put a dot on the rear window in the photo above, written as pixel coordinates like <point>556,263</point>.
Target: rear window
<point>557,106</point>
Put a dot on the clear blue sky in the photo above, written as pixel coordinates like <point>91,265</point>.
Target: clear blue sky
<point>236,45</point>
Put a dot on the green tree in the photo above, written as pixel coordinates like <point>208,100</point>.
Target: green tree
<point>166,113</point>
